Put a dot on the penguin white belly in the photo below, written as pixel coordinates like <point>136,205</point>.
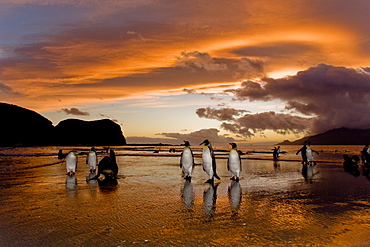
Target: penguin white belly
<point>309,155</point>
<point>71,162</point>
<point>234,163</point>
<point>207,162</point>
<point>91,160</point>
<point>187,161</point>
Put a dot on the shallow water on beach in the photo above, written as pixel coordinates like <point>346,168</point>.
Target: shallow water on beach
<point>273,204</point>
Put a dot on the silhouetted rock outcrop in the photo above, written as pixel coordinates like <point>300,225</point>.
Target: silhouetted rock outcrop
<point>20,126</point>
<point>341,136</point>
<point>103,132</point>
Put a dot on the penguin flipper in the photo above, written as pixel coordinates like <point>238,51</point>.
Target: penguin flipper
<point>181,161</point>
<point>214,168</point>
<point>240,163</point>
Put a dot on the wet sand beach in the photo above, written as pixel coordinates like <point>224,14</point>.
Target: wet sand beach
<point>272,205</point>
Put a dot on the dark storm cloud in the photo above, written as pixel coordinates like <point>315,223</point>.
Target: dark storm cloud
<point>333,96</point>
<point>248,124</point>
<point>75,111</point>
<point>250,90</point>
<point>197,137</point>
<point>223,114</point>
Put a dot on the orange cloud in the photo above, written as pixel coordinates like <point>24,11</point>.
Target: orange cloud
<point>133,47</point>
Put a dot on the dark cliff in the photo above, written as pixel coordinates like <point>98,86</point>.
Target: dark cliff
<point>103,132</point>
<point>20,126</point>
<point>341,136</point>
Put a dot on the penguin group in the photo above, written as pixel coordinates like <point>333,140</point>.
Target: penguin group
<point>107,166</point>
<point>209,161</point>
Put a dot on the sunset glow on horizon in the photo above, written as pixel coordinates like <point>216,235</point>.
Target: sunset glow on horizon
<point>254,71</point>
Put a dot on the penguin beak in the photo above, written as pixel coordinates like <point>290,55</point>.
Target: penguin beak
<point>202,143</point>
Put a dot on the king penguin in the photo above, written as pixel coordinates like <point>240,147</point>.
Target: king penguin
<point>108,167</point>
<point>187,161</point>
<point>234,163</point>
<point>91,159</point>
<point>209,161</point>
<point>71,162</point>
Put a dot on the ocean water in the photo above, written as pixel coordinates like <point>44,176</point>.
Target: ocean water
<point>273,204</point>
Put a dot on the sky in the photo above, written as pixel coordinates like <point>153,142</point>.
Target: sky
<point>167,71</point>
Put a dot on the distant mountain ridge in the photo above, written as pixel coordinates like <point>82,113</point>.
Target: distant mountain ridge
<point>20,126</point>
<point>340,136</point>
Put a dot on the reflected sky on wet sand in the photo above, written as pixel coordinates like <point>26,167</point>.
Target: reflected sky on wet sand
<point>272,204</point>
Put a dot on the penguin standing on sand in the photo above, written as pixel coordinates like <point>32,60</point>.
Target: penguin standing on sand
<point>234,163</point>
<point>71,162</point>
<point>108,167</point>
<point>209,161</point>
<point>187,161</point>
<point>309,154</point>
<point>92,159</point>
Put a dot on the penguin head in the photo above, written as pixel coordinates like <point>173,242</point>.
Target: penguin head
<point>187,144</point>
<point>233,145</point>
<point>112,156</point>
<point>205,142</point>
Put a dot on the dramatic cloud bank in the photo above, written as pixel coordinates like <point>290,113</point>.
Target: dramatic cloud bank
<point>249,124</point>
<point>318,99</point>
<point>236,68</point>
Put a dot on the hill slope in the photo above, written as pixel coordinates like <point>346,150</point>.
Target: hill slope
<point>20,126</point>
<point>103,132</point>
<point>341,136</point>
<point>23,126</point>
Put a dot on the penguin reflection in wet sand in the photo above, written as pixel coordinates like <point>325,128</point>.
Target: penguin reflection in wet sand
<point>209,201</point>
<point>209,161</point>
<point>92,159</point>
<point>187,161</point>
<point>235,196</point>
<point>71,162</point>
<point>187,195</point>
<point>234,163</point>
